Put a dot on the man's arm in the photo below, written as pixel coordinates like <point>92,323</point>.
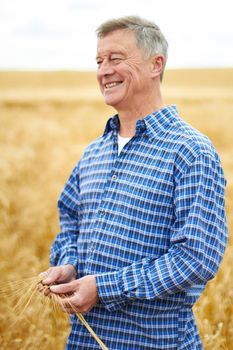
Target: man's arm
<point>64,248</point>
<point>198,241</point>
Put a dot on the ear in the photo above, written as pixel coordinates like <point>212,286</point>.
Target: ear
<point>157,64</point>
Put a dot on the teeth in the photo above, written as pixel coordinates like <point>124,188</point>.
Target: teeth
<point>110,85</point>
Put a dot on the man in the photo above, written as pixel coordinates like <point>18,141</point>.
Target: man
<point>142,215</point>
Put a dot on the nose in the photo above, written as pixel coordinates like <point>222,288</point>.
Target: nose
<point>105,68</point>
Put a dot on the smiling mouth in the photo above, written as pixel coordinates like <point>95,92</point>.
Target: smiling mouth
<point>113,84</point>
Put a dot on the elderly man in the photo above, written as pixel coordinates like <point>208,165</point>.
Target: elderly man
<point>142,215</point>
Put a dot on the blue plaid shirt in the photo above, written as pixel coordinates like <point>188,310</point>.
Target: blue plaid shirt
<point>150,224</point>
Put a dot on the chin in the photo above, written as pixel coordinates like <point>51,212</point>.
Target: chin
<point>111,101</point>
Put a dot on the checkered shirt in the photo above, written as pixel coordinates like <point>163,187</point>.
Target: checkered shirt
<point>150,224</point>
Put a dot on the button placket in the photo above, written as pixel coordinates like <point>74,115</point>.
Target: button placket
<point>101,212</point>
<point>92,248</point>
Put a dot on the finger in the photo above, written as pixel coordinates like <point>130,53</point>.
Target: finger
<point>43,275</point>
<point>65,304</point>
<point>43,289</point>
<point>75,304</point>
<point>69,310</point>
<point>46,291</point>
<point>64,288</point>
<point>51,276</point>
<point>39,286</point>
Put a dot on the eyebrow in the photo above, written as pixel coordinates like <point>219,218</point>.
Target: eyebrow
<point>112,53</point>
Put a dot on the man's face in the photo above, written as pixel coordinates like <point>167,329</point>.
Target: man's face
<point>123,74</point>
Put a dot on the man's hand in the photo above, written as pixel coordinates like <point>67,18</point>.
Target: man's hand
<point>81,294</point>
<point>59,274</point>
<point>56,275</point>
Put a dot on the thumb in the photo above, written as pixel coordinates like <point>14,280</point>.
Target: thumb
<point>64,288</point>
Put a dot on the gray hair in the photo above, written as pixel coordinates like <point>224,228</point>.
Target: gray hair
<point>148,35</point>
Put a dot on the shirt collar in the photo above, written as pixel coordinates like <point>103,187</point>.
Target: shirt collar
<point>160,120</point>
<point>113,124</point>
<point>151,125</point>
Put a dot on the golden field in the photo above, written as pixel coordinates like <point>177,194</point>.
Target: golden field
<point>47,119</point>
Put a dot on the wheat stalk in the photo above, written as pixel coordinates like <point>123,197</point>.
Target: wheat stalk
<point>24,292</point>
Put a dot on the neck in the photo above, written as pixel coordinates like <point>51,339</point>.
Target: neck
<point>128,118</point>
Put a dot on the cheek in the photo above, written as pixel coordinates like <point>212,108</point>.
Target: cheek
<point>135,73</point>
<point>98,78</point>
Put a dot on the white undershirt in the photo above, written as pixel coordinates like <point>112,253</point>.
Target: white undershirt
<point>121,142</point>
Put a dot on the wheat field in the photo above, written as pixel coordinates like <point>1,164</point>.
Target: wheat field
<point>47,119</point>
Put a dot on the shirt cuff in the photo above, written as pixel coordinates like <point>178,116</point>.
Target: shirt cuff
<point>110,290</point>
<point>67,261</point>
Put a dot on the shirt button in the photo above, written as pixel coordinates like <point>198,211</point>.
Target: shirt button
<point>91,247</point>
<point>101,212</point>
<point>114,177</point>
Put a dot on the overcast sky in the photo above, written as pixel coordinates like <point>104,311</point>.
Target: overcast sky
<point>60,34</point>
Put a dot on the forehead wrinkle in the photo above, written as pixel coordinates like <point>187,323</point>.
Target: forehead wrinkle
<point>110,53</point>
<point>107,51</point>
<point>112,42</point>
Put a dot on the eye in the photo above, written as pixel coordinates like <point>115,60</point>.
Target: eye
<point>99,62</point>
<point>116,60</point>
